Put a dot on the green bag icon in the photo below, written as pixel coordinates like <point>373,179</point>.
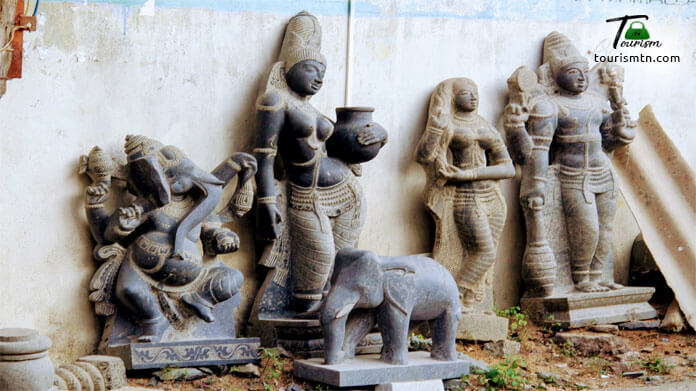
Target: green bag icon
<point>637,33</point>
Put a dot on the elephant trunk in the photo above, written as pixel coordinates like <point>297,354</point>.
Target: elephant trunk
<point>334,314</point>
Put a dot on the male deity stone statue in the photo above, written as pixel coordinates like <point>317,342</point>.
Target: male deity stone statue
<point>320,208</point>
<point>465,158</point>
<point>562,124</point>
<point>153,283</point>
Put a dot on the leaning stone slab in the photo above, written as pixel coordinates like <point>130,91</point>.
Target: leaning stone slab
<point>482,327</point>
<point>660,188</point>
<point>188,353</point>
<point>580,309</point>
<point>370,370</point>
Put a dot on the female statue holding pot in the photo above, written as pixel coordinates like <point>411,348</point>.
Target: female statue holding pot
<point>325,204</point>
<point>464,157</point>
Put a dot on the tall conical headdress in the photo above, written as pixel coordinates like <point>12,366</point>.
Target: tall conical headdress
<point>559,52</point>
<point>302,40</point>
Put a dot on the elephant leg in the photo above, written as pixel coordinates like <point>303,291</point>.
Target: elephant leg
<point>394,328</point>
<point>359,324</point>
<point>444,332</point>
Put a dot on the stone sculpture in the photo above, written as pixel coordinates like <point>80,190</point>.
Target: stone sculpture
<point>320,207</point>
<point>568,192</point>
<point>91,373</point>
<point>367,289</point>
<point>24,362</point>
<point>463,196</point>
<point>153,284</point>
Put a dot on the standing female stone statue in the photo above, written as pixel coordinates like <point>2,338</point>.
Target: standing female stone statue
<point>325,204</point>
<point>465,158</point>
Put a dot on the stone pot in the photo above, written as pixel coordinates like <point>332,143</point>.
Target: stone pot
<point>350,121</point>
<point>24,362</point>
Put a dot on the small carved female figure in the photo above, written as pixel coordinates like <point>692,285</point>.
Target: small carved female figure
<point>464,157</point>
<point>326,208</point>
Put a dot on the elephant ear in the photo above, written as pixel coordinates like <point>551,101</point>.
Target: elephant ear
<point>399,286</point>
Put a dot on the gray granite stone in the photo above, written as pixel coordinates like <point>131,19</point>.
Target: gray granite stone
<point>424,385</point>
<point>478,326</point>
<point>640,324</point>
<point>502,348</point>
<point>369,370</point>
<point>578,309</point>
<point>592,344</point>
<point>196,353</point>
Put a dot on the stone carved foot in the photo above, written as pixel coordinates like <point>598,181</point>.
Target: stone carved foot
<point>152,330</point>
<point>611,285</point>
<point>588,286</point>
<point>204,311</point>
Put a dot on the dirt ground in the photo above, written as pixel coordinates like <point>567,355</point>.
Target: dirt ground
<point>664,357</point>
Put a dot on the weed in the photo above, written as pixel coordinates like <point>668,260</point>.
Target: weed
<point>418,342</point>
<point>517,322</point>
<point>656,365</point>
<point>272,367</point>
<point>568,349</point>
<point>506,375</point>
<point>551,327</point>
<point>598,365</point>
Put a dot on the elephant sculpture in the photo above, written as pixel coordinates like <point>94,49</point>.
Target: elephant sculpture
<point>367,289</point>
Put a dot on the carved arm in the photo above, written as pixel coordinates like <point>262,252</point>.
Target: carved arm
<point>270,118</point>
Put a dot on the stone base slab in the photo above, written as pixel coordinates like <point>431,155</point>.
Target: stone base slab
<point>368,370</point>
<point>478,326</point>
<point>197,353</point>
<point>580,309</point>
<point>425,385</point>
<point>304,337</point>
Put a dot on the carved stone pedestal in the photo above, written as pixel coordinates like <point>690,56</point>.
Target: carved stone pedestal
<point>370,370</point>
<point>304,338</point>
<point>579,309</point>
<point>191,342</point>
<point>478,326</point>
<point>188,353</point>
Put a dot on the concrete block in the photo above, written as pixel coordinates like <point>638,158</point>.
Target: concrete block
<point>482,327</point>
<point>370,370</point>
<point>425,385</point>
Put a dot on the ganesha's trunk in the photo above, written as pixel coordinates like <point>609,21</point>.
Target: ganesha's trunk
<point>195,216</point>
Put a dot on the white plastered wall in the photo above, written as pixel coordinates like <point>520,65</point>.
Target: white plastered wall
<point>187,73</point>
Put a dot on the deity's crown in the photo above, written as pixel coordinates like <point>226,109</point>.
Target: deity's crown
<point>138,146</point>
<point>302,40</point>
<point>559,52</point>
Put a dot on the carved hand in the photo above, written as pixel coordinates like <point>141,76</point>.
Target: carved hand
<point>225,241</point>
<point>371,135</point>
<point>129,217</point>
<point>269,222</point>
<point>533,195</point>
<point>98,192</point>
<point>247,162</point>
<point>515,115</point>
